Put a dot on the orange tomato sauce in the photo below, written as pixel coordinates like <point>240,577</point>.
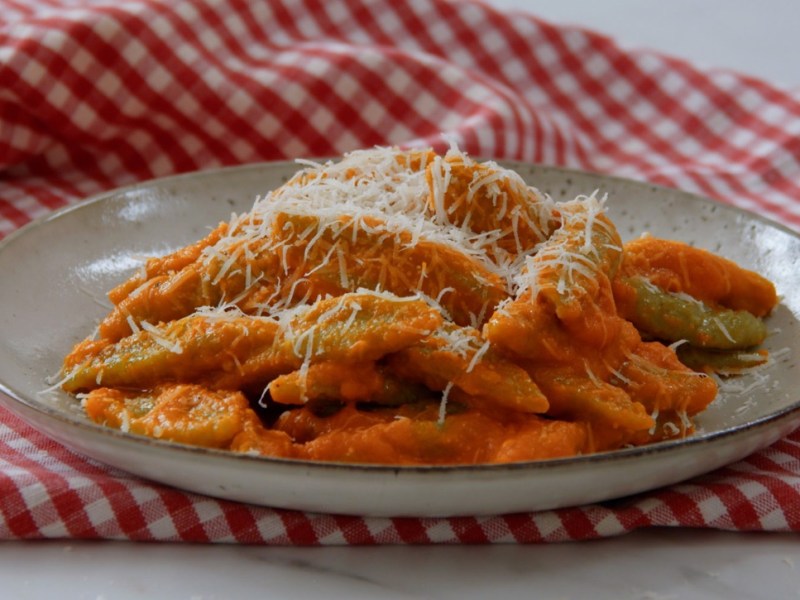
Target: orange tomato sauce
<point>366,339</point>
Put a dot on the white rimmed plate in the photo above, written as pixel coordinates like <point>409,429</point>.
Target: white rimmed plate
<point>55,274</point>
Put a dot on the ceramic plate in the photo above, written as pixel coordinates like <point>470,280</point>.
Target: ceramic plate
<point>56,272</point>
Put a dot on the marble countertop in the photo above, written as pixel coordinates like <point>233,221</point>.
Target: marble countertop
<point>756,38</point>
<point>647,565</point>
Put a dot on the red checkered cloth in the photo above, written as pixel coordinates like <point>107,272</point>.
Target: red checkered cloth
<point>98,94</point>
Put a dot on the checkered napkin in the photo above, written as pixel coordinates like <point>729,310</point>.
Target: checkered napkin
<point>98,94</point>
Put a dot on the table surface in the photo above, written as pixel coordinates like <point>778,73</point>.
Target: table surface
<point>754,38</point>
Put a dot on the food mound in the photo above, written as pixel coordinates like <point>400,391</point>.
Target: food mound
<point>404,307</point>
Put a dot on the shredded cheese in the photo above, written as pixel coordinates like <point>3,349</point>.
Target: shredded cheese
<point>443,403</point>
<point>157,336</point>
<point>369,192</point>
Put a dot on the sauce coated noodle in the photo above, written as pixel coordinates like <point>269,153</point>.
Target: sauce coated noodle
<point>403,307</point>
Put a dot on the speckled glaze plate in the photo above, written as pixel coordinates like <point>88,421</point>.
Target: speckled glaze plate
<point>55,274</point>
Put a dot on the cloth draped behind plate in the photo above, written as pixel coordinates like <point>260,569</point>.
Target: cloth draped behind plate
<point>96,95</point>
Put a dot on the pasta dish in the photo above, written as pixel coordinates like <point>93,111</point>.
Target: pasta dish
<point>412,308</point>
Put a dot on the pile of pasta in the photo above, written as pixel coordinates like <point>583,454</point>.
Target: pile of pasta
<point>406,307</point>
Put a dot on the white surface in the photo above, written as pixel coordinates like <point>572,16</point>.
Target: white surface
<point>650,565</point>
<point>753,37</point>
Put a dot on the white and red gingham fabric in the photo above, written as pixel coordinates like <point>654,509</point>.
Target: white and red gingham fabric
<point>98,94</point>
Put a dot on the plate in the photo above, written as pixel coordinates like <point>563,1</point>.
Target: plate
<point>56,271</point>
